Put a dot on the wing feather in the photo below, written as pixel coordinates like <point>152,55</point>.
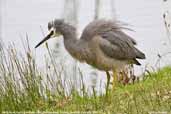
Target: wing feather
<point>117,48</point>
<point>113,42</point>
<point>102,26</point>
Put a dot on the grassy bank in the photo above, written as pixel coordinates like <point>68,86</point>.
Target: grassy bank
<point>24,87</point>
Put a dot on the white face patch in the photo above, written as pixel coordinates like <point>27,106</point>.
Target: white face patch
<point>55,34</point>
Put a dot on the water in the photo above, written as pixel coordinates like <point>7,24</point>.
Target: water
<point>144,16</point>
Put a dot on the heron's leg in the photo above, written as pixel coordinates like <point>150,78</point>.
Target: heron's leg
<point>115,78</point>
<point>108,82</point>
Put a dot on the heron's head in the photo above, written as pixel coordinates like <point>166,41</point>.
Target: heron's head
<point>54,28</point>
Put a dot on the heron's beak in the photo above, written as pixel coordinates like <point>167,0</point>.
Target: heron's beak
<point>45,39</point>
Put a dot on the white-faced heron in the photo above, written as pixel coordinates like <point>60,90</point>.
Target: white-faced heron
<point>103,45</point>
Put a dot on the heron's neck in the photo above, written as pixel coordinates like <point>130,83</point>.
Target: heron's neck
<point>69,34</point>
<point>71,42</point>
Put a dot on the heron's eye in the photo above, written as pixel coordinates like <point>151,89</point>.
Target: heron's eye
<point>52,32</point>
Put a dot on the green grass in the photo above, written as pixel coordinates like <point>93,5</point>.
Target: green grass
<point>24,87</point>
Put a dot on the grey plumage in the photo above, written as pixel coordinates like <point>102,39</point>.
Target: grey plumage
<point>103,44</point>
<point>114,43</point>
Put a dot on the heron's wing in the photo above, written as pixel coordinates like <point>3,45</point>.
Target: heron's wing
<point>112,41</point>
<point>103,26</point>
<point>117,45</point>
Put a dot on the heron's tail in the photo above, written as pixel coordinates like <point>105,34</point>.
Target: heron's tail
<point>139,54</point>
<point>136,62</point>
